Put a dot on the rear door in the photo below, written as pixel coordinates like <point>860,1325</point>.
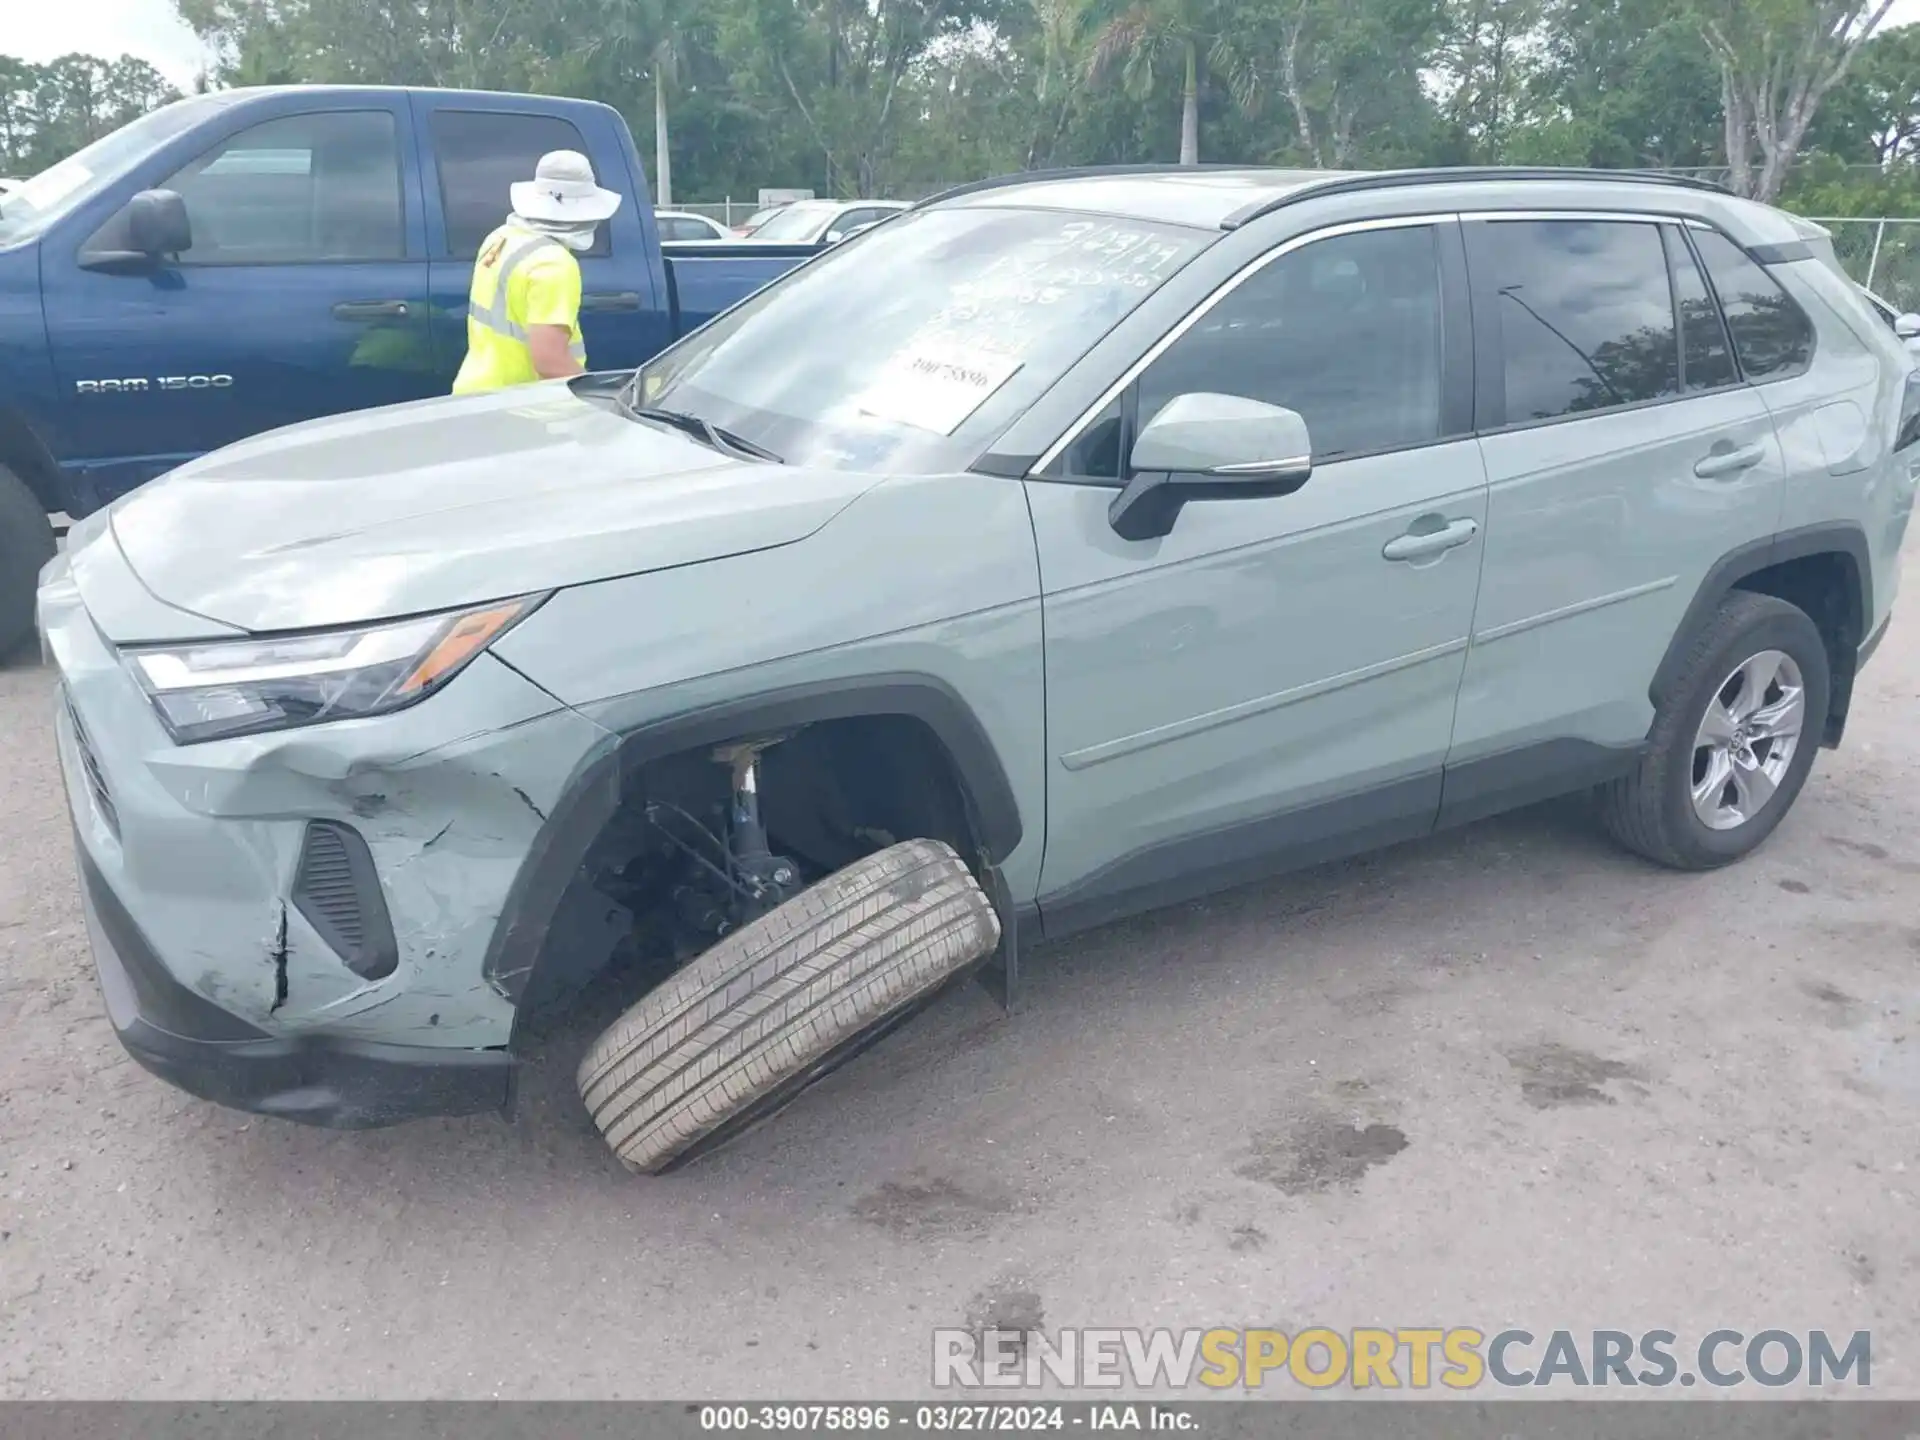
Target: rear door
<point>304,294</point>
<point>472,158</point>
<point>1625,456</point>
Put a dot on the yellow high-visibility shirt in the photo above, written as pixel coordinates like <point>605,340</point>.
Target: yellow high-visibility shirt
<point>542,288</point>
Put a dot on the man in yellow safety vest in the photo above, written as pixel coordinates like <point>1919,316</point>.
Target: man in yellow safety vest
<point>523,312</point>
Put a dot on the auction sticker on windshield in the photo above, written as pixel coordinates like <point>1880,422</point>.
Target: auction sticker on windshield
<point>935,387</point>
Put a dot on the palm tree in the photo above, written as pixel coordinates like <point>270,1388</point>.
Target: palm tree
<point>1148,35</point>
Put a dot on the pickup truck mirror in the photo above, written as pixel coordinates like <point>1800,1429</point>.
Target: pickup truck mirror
<point>1204,446</point>
<point>1907,327</point>
<point>149,227</point>
<point>157,223</point>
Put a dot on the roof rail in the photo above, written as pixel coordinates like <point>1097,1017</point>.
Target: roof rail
<point>1070,172</point>
<point>1393,179</point>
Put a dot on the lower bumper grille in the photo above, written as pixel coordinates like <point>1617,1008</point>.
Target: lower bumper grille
<point>90,763</point>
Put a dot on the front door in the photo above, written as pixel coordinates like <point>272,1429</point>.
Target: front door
<point>304,294</point>
<point>1274,679</point>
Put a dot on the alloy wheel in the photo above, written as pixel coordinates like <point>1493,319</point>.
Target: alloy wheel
<point>1747,739</point>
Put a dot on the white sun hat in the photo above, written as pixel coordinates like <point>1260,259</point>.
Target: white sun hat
<point>563,192</point>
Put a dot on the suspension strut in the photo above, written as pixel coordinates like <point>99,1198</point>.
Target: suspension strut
<point>768,880</point>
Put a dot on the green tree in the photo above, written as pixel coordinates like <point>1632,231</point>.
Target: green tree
<point>1778,59</point>
<point>1621,83</point>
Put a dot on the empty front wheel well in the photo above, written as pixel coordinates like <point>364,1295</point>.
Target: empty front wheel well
<point>830,792</point>
<point>1827,586</point>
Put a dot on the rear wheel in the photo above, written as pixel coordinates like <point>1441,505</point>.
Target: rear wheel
<point>747,1025</point>
<point>26,544</point>
<point>1732,742</point>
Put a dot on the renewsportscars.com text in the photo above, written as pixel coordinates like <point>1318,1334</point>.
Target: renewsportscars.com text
<point>1418,1358</point>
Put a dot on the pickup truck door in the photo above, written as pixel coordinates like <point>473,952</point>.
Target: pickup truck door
<point>472,155</point>
<point>303,294</point>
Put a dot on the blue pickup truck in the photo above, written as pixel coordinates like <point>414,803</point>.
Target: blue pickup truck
<point>330,234</point>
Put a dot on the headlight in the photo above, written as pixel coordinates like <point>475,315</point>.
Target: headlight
<point>240,687</point>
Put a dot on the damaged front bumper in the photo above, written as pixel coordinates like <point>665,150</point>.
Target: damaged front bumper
<point>317,1079</point>
<point>297,923</point>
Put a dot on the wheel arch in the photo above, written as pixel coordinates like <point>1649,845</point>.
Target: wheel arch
<point>601,782</point>
<point>1825,569</point>
<point>27,455</point>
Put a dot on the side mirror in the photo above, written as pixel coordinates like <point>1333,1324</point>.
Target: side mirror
<point>157,223</point>
<point>149,227</point>
<point>1907,327</point>
<point>1205,446</point>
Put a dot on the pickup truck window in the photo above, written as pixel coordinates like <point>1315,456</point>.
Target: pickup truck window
<point>480,153</point>
<point>301,189</point>
<point>910,347</point>
<point>57,190</point>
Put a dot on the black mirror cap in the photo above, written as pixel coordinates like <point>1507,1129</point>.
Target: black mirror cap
<point>157,223</point>
<point>1148,504</point>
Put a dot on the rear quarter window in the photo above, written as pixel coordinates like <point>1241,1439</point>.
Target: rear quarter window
<point>1771,333</point>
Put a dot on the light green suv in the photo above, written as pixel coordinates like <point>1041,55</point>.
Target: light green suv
<point>1070,545</point>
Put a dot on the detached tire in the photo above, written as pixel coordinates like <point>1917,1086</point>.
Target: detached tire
<point>1757,674</point>
<point>746,1026</point>
<point>26,545</point>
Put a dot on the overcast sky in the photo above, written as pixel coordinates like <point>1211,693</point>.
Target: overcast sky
<point>38,30</point>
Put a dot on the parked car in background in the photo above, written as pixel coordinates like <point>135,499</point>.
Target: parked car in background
<point>814,222</point>
<point>759,218</point>
<point>1066,547</point>
<point>679,227</point>
<point>1905,323</point>
<point>243,260</point>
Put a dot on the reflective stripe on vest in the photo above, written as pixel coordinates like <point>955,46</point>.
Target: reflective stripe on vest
<point>495,318</point>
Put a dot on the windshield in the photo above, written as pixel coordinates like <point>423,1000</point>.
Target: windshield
<point>908,349</point>
<point>28,210</point>
<point>796,222</point>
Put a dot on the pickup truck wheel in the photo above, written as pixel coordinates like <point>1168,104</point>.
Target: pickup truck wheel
<point>1732,742</point>
<point>26,544</point>
<point>753,1020</point>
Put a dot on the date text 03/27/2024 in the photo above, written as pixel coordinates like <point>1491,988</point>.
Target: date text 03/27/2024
<point>946,1418</point>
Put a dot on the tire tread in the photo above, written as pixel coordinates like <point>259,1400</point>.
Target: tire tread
<point>766,1003</point>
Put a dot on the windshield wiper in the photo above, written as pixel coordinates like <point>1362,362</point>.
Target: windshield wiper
<point>704,431</point>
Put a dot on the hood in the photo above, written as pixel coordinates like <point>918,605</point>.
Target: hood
<point>449,502</point>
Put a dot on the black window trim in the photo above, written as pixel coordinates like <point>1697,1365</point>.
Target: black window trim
<point>1779,254</point>
<point>1675,233</point>
<point>430,139</point>
<point>400,181</point>
<point>1458,359</point>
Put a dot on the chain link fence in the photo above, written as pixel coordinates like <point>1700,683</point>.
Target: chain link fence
<point>1882,254</point>
<point>730,213</point>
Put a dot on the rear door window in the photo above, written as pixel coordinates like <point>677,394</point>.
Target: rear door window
<point>1771,334</point>
<point>481,155</point>
<point>1584,311</point>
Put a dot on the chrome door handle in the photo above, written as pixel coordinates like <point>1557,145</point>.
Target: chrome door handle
<point>1717,463</point>
<point>1418,545</point>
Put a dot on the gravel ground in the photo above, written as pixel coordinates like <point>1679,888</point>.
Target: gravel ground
<point>1506,1076</point>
